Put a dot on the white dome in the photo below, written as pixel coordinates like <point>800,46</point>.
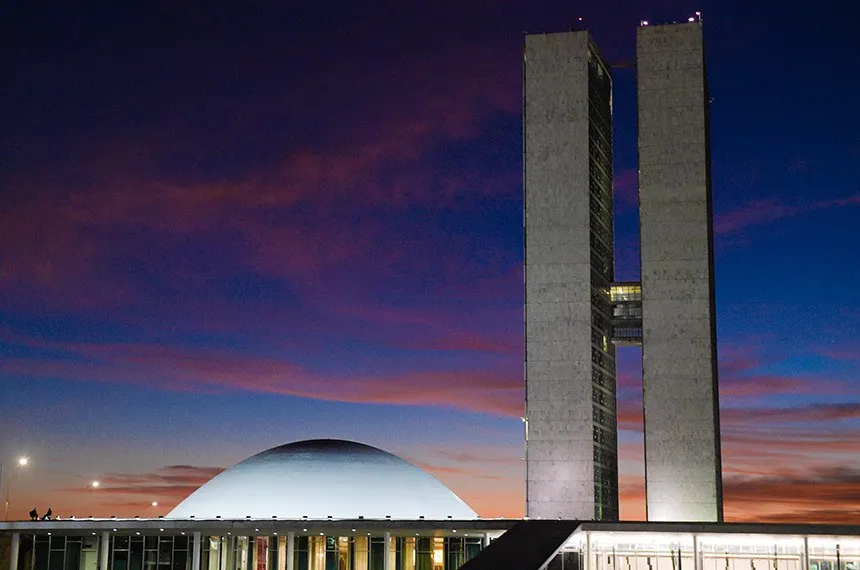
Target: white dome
<point>321,478</point>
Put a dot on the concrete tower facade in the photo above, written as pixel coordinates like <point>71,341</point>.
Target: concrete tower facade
<point>575,314</point>
<point>571,449</point>
<point>679,364</point>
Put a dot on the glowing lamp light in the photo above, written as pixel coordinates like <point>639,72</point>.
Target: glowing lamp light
<point>95,484</point>
<point>23,461</point>
<point>154,503</point>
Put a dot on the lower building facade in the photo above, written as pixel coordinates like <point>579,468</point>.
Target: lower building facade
<point>111,544</point>
<point>680,546</point>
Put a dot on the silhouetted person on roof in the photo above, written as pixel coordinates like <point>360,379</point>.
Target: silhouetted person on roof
<point>47,516</point>
<point>34,516</point>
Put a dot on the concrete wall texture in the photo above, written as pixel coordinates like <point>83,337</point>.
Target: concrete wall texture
<point>571,433</point>
<point>564,463</point>
<point>682,439</point>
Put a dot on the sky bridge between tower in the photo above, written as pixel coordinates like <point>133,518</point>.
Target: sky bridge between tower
<point>626,300</point>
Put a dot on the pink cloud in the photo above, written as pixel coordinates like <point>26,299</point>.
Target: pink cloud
<point>805,414</point>
<point>57,246</point>
<point>175,369</point>
<point>769,384</point>
<point>436,325</point>
<point>490,479</point>
<point>734,361</point>
<point>752,214</point>
<point>509,345</point>
<point>742,376</point>
<point>477,455</point>
<point>128,494</point>
<point>631,496</point>
<point>829,494</point>
<point>442,472</point>
<point>844,352</point>
<point>630,415</point>
<point>768,210</point>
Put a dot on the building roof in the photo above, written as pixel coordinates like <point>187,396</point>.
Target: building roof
<point>323,478</point>
<point>262,527</point>
<point>266,526</point>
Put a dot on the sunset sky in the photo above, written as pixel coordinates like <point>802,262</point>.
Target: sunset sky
<point>225,228</point>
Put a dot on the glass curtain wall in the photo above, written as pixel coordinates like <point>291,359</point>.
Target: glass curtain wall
<point>124,553</point>
<point>739,556</point>
<point>167,552</point>
<point>368,553</point>
<point>752,557</point>
<point>834,557</point>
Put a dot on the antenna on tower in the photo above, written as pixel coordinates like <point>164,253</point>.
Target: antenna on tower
<point>578,24</point>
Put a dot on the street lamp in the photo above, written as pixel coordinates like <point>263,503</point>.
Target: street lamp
<point>23,461</point>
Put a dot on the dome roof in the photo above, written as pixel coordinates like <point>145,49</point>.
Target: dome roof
<point>321,478</point>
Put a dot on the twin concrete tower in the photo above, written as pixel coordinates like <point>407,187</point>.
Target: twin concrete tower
<point>576,314</point>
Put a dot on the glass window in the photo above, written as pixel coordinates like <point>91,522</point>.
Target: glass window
<point>135,558</point>
<point>302,553</point>
<point>360,553</point>
<point>377,553</point>
<point>261,552</point>
<point>120,560</point>
<point>73,555</point>
<point>165,552</point>
<point>423,553</point>
<point>473,548</point>
<point>332,553</point>
<point>41,550</point>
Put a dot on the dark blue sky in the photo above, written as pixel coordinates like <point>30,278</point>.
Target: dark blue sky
<point>225,228</point>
